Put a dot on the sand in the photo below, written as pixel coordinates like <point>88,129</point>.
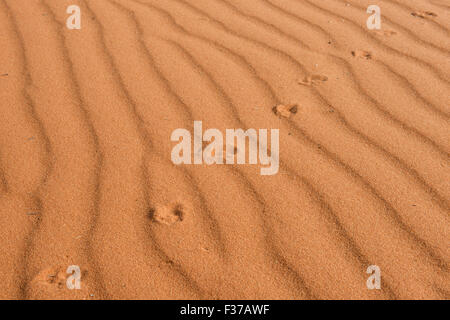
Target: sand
<point>86,176</point>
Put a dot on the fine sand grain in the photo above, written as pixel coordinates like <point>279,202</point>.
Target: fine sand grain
<point>86,176</point>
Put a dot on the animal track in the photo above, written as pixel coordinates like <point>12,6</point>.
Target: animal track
<point>313,79</point>
<point>285,111</point>
<point>423,14</point>
<point>56,277</point>
<point>362,54</point>
<point>168,214</point>
<point>51,283</point>
<point>386,33</point>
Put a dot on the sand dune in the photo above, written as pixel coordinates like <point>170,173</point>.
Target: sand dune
<point>86,176</point>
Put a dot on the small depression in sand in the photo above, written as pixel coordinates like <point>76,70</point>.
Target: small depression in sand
<point>167,214</point>
<point>285,111</point>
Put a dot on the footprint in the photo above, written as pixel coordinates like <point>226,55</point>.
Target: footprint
<point>168,214</point>
<point>313,79</point>
<point>423,14</point>
<point>51,283</point>
<point>285,111</point>
<point>52,277</point>
<point>362,54</point>
<point>386,33</point>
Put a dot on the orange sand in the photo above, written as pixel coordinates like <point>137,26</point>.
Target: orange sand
<point>86,176</point>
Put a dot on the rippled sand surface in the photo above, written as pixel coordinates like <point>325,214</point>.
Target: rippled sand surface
<point>86,176</point>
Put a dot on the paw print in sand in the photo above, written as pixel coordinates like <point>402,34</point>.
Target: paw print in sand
<point>313,80</point>
<point>362,54</point>
<point>285,111</point>
<point>51,283</point>
<point>51,277</point>
<point>385,33</point>
<point>168,214</point>
<point>423,14</point>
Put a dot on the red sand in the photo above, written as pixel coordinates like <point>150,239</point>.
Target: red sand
<point>86,176</point>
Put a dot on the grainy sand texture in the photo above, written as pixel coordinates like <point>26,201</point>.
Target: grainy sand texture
<point>87,179</point>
